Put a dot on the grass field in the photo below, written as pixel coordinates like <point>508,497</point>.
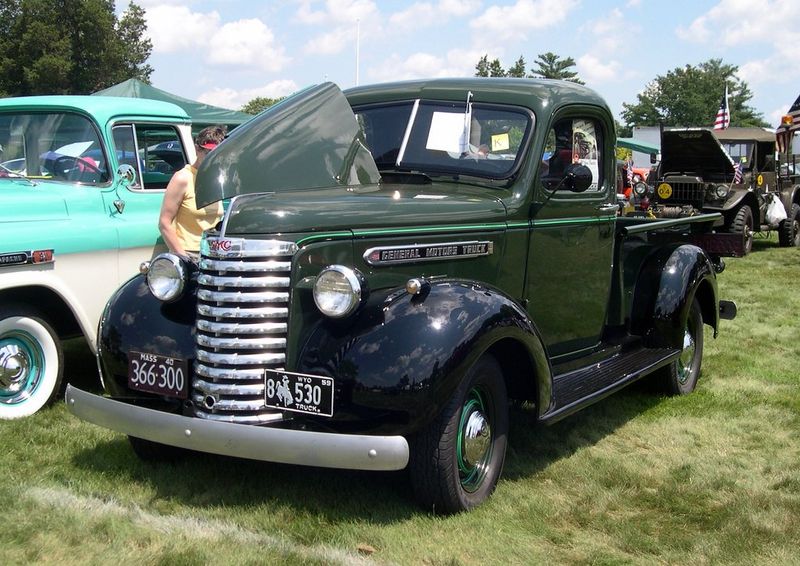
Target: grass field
<point>710,478</point>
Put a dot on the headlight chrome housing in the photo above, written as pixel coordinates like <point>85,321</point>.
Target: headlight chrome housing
<point>721,191</point>
<point>167,277</point>
<point>640,189</point>
<point>338,291</point>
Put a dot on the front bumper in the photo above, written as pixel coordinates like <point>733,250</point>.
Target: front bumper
<point>328,450</point>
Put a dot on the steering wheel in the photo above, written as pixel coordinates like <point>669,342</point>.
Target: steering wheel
<point>67,166</point>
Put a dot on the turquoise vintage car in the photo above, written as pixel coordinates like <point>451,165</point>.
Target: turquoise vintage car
<point>81,184</point>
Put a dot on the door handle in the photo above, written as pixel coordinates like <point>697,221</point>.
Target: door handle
<point>607,207</point>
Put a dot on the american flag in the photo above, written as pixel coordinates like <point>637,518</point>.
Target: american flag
<point>630,172</point>
<point>786,129</point>
<point>723,119</point>
<point>737,174</point>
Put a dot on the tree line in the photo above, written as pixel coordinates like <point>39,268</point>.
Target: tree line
<point>81,46</point>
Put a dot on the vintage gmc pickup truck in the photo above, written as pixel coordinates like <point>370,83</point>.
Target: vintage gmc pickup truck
<point>81,184</point>
<point>395,265</point>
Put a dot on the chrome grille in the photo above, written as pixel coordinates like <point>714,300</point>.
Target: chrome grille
<point>242,314</point>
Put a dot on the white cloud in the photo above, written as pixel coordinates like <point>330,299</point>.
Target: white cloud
<point>426,14</point>
<point>346,16</point>
<point>176,28</point>
<point>248,43</point>
<point>332,42</point>
<point>456,63</point>
<point>738,22</point>
<point>515,21</point>
<point>235,99</point>
<point>592,70</point>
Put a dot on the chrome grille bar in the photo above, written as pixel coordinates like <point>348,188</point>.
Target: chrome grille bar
<point>242,320</point>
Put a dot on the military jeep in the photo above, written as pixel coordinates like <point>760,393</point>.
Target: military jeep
<point>698,173</point>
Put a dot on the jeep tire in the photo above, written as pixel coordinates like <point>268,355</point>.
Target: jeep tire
<point>789,230</point>
<point>743,224</point>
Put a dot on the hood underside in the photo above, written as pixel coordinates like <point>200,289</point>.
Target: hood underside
<point>309,140</point>
<point>694,151</point>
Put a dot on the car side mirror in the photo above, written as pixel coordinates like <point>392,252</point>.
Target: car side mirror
<point>577,177</point>
<point>126,175</point>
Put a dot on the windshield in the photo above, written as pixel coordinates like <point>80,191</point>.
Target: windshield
<point>51,146</point>
<point>449,138</point>
<point>740,151</point>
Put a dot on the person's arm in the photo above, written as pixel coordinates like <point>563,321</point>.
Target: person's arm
<point>173,196</point>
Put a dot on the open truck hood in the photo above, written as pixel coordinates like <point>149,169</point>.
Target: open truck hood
<point>309,140</point>
<point>694,151</point>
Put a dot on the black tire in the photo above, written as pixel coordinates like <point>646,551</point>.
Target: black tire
<point>451,472</point>
<point>150,451</point>
<point>789,230</point>
<point>680,377</point>
<point>31,362</point>
<point>743,224</point>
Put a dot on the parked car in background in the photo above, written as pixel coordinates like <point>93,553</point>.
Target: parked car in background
<point>81,184</point>
<point>733,172</point>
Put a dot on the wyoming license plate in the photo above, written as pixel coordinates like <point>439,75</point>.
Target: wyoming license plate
<point>298,392</point>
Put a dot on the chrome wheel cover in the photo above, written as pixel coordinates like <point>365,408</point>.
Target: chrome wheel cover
<point>21,367</point>
<point>474,447</point>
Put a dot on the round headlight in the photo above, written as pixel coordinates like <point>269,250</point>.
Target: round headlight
<point>640,189</point>
<point>721,191</point>
<point>166,277</point>
<point>337,291</point>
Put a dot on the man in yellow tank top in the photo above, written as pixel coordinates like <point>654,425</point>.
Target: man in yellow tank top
<point>181,224</point>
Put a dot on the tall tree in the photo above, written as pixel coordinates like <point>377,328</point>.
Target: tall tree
<point>690,96</point>
<point>259,103</point>
<point>486,68</point>
<point>551,66</point>
<point>517,69</point>
<point>69,46</point>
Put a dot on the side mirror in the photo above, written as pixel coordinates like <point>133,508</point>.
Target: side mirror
<point>577,177</point>
<point>126,174</point>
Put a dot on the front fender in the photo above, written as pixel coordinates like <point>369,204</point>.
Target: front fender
<point>403,357</point>
<point>135,320</point>
<point>668,282</point>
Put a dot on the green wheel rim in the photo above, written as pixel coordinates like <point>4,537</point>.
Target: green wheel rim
<point>21,367</point>
<point>474,444</point>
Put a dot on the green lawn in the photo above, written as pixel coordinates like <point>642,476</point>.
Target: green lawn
<point>710,478</point>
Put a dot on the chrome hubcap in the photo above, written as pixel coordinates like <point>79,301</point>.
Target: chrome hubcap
<point>687,356</point>
<point>474,450</point>
<point>21,365</point>
<point>477,436</point>
<point>13,368</point>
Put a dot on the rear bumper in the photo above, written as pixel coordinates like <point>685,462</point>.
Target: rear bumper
<point>328,450</point>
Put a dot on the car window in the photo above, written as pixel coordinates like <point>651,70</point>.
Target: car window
<point>572,140</point>
<point>155,151</point>
<point>62,146</point>
<point>449,138</point>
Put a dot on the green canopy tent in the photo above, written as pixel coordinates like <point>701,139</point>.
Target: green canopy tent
<point>202,115</point>
<point>638,145</point>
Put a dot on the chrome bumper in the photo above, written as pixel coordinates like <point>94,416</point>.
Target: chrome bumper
<point>328,450</point>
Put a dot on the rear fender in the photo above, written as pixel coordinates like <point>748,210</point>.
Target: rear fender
<point>668,282</point>
<point>404,355</point>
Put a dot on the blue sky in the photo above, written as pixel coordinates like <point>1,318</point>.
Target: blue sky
<point>226,52</point>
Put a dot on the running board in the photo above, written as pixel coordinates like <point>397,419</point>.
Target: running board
<point>581,387</point>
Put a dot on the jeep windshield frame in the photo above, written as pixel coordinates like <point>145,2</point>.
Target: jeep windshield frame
<point>445,138</point>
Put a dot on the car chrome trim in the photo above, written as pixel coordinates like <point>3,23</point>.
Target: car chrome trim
<point>323,449</point>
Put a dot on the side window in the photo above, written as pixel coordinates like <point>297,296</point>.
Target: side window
<point>154,150</point>
<point>572,140</point>
<point>125,149</point>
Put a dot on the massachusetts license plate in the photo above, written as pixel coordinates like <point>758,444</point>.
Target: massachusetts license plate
<point>158,374</point>
<point>298,392</point>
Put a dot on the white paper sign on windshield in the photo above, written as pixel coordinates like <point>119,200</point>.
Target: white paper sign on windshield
<point>446,133</point>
